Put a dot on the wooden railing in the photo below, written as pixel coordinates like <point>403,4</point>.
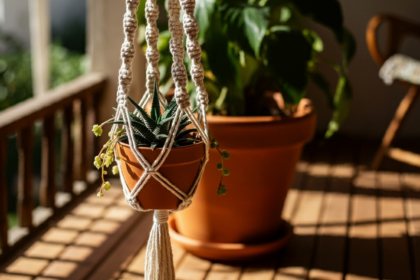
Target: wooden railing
<point>77,102</point>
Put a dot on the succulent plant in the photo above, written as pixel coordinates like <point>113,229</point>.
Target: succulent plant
<point>151,131</point>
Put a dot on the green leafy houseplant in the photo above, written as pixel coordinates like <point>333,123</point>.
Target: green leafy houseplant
<point>151,131</point>
<point>254,46</point>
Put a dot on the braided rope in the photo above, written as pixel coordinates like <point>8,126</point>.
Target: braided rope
<point>152,52</point>
<point>179,73</point>
<point>176,46</point>
<point>194,50</point>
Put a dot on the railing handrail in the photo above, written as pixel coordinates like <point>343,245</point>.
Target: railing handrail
<point>23,114</point>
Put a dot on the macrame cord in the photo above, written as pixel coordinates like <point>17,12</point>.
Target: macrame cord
<point>159,264</point>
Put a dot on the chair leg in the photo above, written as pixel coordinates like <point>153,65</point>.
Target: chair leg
<point>394,127</point>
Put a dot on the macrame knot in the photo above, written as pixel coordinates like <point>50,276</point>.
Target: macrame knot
<point>197,71</point>
<point>153,55</point>
<point>177,49</point>
<point>152,33</point>
<point>133,202</point>
<point>194,50</point>
<point>153,73</point>
<point>150,171</point>
<point>125,77</point>
<point>152,12</point>
<point>202,96</point>
<point>191,26</point>
<point>179,74</point>
<point>161,217</point>
<point>185,204</point>
<point>174,6</point>
<point>188,6</point>
<point>182,97</point>
<point>121,98</point>
<point>176,28</point>
<point>135,3</point>
<point>130,21</point>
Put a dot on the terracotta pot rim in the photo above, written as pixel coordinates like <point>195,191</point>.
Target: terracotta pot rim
<point>159,149</point>
<point>232,251</point>
<point>257,119</point>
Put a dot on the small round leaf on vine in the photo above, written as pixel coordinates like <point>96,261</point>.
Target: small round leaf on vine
<point>225,172</point>
<point>225,155</point>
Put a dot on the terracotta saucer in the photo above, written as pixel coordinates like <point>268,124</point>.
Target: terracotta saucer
<point>230,251</point>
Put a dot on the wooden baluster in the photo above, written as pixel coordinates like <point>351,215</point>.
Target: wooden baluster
<point>25,202</point>
<point>67,150</point>
<point>95,114</point>
<point>83,140</point>
<point>48,188</point>
<point>3,196</point>
<point>90,140</point>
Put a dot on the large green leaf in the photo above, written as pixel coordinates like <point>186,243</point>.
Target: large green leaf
<point>348,46</point>
<point>319,80</point>
<point>342,102</point>
<point>246,26</point>
<point>287,57</point>
<point>220,58</point>
<point>255,24</point>
<point>326,12</point>
<point>224,64</point>
<point>314,39</point>
<point>203,12</point>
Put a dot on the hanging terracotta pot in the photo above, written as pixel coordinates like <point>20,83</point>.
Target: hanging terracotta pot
<point>246,222</point>
<point>181,168</point>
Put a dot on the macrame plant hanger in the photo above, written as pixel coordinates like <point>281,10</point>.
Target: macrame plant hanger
<point>159,263</point>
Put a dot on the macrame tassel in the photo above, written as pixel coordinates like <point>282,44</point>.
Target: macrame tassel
<point>159,264</point>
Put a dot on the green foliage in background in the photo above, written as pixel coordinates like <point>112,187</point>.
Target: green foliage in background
<point>16,73</point>
<point>65,65</point>
<point>250,47</point>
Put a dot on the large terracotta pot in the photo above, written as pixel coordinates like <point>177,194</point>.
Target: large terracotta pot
<point>264,152</point>
<point>181,168</point>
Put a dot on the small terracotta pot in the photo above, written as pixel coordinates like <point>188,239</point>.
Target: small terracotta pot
<point>264,152</point>
<point>181,168</point>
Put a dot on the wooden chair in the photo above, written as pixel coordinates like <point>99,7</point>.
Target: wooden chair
<point>398,29</point>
